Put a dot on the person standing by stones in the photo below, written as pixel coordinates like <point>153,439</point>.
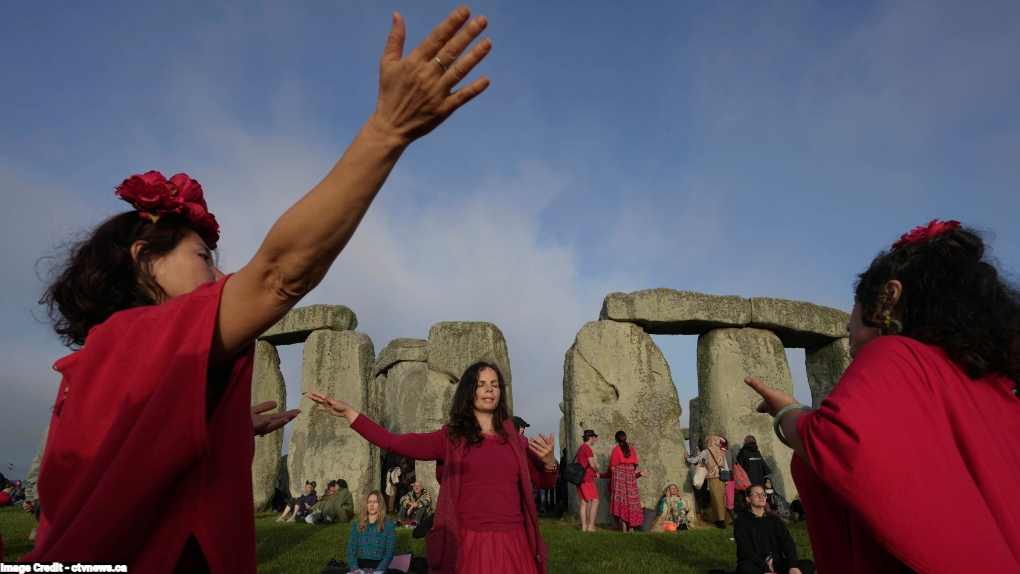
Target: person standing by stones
<point>587,491</point>
<point>715,462</point>
<point>624,498</point>
<point>935,341</point>
<point>483,521</point>
<point>751,459</point>
<point>153,416</point>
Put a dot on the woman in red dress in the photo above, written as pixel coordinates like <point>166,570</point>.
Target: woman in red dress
<point>927,409</point>
<point>148,460</point>
<point>485,520</point>
<point>624,498</point>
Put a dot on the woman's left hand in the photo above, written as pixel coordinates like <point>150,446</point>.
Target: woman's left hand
<point>267,423</point>
<point>543,447</point>
<point>639,474</point>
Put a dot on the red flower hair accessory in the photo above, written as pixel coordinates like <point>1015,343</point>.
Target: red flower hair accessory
<point>922,233</point>
<point>154,196</point>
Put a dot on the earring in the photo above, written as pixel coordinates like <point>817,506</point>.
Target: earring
<point>889,321</point>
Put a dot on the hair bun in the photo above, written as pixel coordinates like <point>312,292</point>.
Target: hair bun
<point>960,242</point>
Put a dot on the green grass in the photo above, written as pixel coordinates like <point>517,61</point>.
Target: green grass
<point>289,548</point>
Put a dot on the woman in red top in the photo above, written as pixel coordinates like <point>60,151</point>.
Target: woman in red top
<point>624,499</point>
<point>928,405</point>
<point>149,455</point>
<point>486,521</point>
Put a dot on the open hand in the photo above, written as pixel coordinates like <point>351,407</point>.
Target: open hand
<point>774,398</point>
<point>543,446</point>
<point>333,406</point>
<point>415,91</point>
<point>267,423</point>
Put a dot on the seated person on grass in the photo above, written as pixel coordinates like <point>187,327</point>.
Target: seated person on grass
<point>672,507</point>
<point>373,539</point>
<point>763,542</point>
<point>315,512</point>
<point>300,505</point>
<point>415,505</point>
<point>341,505</point>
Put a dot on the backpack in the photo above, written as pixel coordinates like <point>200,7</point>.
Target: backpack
<point>740,480</point>
<point>574,472</point>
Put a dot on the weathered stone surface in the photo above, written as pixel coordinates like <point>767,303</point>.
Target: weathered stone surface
<point>694,416</point>
<point>400,350</point>
<point>729,407</point>
<point>267,385</point>
<point>297,325</point>
<point>322,447</point>
<point>825,365</point>
<point>669,312</point>
<point>797,323</point>
<point>615,378</point>
<point>400,392</point>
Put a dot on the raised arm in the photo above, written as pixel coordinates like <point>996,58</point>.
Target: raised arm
<point>415,96</point>
<point>419,446</point>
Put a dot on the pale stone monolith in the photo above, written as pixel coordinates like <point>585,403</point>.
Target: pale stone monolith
<point>299,323</point>
<point>400,393</point>
<point>825,365</point>
<point>400,350</point>
<point>615,378</point>
<point>453,347</point>
<point>728,406</point>
<point>798,323</point>
<point>322,447</point>
<point>670,312</point>
<point>267,385</point>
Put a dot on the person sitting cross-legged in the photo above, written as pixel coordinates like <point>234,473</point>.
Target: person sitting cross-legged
<point>415,505</point>
<point>763,542</point>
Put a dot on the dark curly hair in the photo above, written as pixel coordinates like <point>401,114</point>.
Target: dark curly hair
<point>953,297</point>
<point>463,423</point>
<point>96,277</point>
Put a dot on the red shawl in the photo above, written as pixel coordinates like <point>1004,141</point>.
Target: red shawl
<point>912,465</point>
<point>132,468</point>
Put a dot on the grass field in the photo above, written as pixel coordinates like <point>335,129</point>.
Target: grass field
<point>289,548</point>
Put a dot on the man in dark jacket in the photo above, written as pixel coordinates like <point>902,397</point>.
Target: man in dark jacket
<point>753,463</point>
<point>763,542</point>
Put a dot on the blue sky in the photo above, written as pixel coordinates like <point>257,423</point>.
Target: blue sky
<point>756,149</point>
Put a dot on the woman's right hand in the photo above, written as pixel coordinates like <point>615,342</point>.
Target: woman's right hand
<point>335,407</point>
<point>415,92</point>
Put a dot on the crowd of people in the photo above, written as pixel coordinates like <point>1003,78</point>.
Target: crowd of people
<point>153,419</point>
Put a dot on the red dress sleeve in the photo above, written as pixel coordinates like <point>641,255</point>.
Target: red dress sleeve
<point>903,429</point>
<point>419,446</point>
<point>129,426</point>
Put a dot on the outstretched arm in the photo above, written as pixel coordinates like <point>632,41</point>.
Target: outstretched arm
<point>415,96</point>
<point>773,401</point>
<point>419,446</point>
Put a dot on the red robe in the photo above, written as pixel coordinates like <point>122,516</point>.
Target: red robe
<point>132,466</point>
<point>912,465</point>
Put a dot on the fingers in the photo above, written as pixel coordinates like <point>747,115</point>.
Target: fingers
<point>394,49</point>
<point>775,399</point>
<point>441,35</point>
<point>466,94</point>
<point>263,407</point>
<point>458,69</point>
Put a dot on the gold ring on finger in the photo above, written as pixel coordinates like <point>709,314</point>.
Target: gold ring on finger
<point>441,64</point>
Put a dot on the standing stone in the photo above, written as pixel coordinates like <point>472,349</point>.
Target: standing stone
<point>322,447</point>
<point>728,406</point>
<point>825,365</point>
<point>267,385</point>
<point>615,378</point>
<point>401,377</point>
<point>453,347</point>
<point>694,416</point>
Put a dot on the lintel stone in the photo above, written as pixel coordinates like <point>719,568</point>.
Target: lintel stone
<point>401,350</point>
<point>798,323</point>
<point>299,323</point>
<point>666,311</point>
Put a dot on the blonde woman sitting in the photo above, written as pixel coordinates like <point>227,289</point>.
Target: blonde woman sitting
<point>373,539</point>
<point>672,507</point>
